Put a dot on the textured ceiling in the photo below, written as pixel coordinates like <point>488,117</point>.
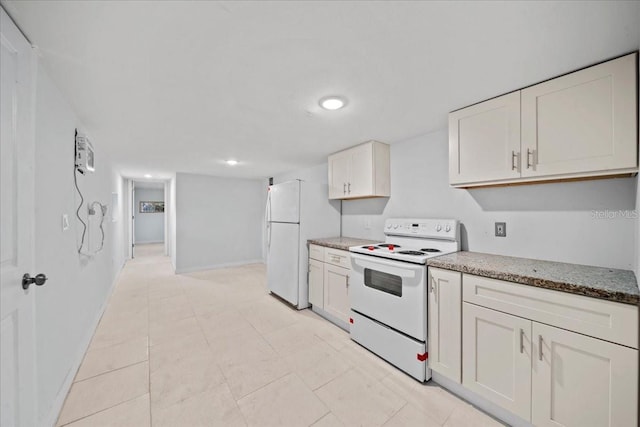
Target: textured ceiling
<point>168,87</point>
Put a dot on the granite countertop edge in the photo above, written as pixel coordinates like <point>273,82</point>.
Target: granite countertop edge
<point>557,285</point>
<point>341,243</point>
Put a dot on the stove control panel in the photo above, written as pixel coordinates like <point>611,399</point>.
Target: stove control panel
<point>446,229</point>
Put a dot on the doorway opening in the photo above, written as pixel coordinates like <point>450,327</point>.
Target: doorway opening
<point>148,223</point>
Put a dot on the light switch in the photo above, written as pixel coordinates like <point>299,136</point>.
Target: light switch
<point>65,222</point>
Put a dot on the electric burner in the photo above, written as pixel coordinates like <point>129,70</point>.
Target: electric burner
<point>386,245</point>
<point>430,250</point>
<point>370,247</point>
<point>411,253</point>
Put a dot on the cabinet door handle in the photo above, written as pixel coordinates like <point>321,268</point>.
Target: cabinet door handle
<point>514,165</point>
<point>344,188</point>
<point>349,188</point>
<point>521,340</point>
<point>540,347</point>
<point>530,153</point>
<point>347,280</point>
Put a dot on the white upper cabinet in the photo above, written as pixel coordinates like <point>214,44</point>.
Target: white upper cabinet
<point>584,121</point>
<point>359,172</point>
<point>484,141</point>
<point>579,125</point>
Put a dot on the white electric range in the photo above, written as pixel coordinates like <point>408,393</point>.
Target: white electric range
<point>388,290</point>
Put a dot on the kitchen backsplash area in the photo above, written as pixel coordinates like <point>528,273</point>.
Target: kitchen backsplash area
<point>587,222</point>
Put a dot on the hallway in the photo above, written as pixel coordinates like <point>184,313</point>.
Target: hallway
<point>214,348</point>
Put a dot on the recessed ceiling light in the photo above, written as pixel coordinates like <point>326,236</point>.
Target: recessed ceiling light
<point>333,102</point>
<point>146,175</point>
<point>232,162</point>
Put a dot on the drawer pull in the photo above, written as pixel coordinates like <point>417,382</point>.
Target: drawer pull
<point>521,340</point>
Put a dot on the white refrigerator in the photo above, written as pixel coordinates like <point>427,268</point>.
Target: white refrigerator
<point>296,211</point>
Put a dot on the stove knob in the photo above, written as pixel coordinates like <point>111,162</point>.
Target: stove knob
<point>438,227</point>
<point>389,226</point>
<point>395,226</point>
<point>447,228</point>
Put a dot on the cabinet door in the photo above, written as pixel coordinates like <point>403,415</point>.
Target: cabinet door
<point>336,295</point>
<point>339,165</point>
<point>484,141</point>
<point>361,171</point>
<point>497,358</point>
<point>581,122</point>
<point>445,323</point>
<point>316,283</point>
<point>582,381</point>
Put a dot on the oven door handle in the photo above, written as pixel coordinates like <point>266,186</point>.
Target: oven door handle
<point>398,268</point>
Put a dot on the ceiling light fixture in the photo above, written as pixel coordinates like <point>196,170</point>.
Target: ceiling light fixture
<point>332,102</point>
<point>232,162</point>
<point>146,175</point>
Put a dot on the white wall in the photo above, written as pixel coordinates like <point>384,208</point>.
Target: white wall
<point>70,304</point>
<point>149,226</point>
<point>218,221</point>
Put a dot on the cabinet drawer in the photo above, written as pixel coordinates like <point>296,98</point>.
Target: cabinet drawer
<point>337,257</point>
<point>602,319</point>
<point>316,252</point>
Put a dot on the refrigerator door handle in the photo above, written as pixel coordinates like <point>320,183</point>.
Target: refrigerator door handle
<point>268,222</point>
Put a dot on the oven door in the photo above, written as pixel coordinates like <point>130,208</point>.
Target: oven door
<point>391,292</point>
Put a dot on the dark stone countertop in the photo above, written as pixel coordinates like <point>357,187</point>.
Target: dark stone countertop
<point>597,282</point>
<point>342,243</point>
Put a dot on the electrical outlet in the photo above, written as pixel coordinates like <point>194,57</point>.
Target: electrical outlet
<point>501,229</point>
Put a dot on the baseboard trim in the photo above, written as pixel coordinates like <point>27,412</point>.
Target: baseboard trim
<point>483,404</point>
<point>217,266</point>
<point>58,403</point>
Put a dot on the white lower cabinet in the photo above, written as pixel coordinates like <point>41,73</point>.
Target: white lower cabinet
<point>445,317</point>
<point>497,358</point>
<point>336,292</point>
<point>329,283</point>
<point>531,351</point>
<point>582,381</point>
<point>316,283</point>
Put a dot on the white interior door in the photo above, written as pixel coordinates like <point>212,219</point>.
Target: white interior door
<point>17,362</point>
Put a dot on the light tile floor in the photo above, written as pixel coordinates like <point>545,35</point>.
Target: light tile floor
<point>214,348</point>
